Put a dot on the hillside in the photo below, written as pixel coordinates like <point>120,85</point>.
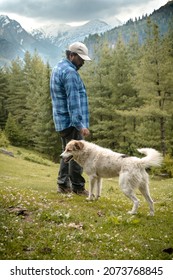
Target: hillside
<point>39,224</point>
<point>163,17</point>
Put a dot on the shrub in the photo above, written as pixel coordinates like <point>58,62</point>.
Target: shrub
<point>167,167</point>
<point>3,140</point>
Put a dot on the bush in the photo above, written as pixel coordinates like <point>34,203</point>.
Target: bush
<point>3,140</point>
<point>13,132</point>
<point>167,167</point>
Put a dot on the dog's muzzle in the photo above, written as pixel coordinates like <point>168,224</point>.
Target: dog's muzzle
<point>66,156</point>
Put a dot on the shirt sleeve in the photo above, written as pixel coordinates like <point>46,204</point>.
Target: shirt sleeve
<point>72,86</point>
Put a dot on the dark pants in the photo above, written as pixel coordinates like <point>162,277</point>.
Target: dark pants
<point>70,174</point>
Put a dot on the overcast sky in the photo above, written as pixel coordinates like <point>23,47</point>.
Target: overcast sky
<point>35,13</point>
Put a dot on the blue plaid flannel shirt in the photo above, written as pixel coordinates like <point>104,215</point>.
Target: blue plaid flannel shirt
<point>69,98</point>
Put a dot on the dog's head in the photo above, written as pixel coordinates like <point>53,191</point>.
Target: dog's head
<point>71,150</point>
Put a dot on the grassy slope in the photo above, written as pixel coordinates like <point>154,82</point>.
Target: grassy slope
<point>38,223</point>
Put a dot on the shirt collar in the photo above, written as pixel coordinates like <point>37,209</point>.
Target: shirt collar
<point>70,63</point>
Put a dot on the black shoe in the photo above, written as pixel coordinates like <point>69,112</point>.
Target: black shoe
<point>63,189</point>
<point>81,192</point>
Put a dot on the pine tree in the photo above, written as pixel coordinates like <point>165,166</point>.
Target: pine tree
<point>16,100</point>
<point>3,99</point>
<point>151,82</point>
<point>34,88</point>
<point>124,96</point>
<point>46,139</point>
<point>96,79</point>
<point>16,94</point>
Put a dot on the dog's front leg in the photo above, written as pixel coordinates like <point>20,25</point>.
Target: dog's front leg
<point>92,181</point>
<point>98,187</point>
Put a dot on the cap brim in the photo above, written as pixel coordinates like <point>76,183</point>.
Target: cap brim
<point>84,57</point>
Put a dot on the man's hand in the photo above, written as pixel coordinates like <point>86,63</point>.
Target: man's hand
<point>85,132</point>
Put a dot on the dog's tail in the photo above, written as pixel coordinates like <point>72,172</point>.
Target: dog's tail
<point>153,157</point>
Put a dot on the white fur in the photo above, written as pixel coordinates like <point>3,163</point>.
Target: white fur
<point>100,162</point>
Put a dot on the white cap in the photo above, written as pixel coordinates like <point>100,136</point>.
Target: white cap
<point>80,49</point>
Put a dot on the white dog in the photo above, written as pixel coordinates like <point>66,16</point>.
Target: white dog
<point>100,162</point>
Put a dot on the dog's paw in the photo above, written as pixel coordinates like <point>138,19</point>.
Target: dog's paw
<point>151,213</point>
<point>132,212</point>
<point>90,198</point>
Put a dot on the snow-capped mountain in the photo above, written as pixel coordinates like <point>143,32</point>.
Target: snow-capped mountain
<point>49,41</point>
<point>50,31</point>
<point>6,22</point>
<point>13,32</point>
<point>61,35</point>
<point>15,41</point>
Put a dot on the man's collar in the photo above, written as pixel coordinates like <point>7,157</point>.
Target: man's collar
<point>71,64</point>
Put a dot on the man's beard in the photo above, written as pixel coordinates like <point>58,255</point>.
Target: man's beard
<point>77,66</point>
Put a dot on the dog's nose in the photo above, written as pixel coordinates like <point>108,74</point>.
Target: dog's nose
<point>61,155</point>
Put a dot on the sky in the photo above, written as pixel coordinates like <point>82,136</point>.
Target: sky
<point>36,13</point>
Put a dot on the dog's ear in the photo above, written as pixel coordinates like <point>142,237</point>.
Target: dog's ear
<point>78,145</point>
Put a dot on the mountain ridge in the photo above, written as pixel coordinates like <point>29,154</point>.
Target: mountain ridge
<point>15,40</point>
<point>53,30</point>
<point>163,18</point>
<point>61,35</point>
<point>50,42</point>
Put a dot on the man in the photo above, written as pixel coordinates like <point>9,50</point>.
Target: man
<point>70,113</point>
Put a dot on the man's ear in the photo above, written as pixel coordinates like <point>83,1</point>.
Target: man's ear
<point>78,145</point>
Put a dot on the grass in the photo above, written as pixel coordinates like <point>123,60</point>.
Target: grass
<point>37,223</point>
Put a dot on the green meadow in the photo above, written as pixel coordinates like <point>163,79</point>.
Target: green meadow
<point>36,223</point>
